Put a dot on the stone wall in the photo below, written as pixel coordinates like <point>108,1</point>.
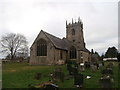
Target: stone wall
<point>42,60</point>
<point>53,54</point>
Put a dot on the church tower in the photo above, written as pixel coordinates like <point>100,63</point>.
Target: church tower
<point>74,32</point>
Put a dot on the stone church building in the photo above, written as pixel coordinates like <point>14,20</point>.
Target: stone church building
<point>48,49</point>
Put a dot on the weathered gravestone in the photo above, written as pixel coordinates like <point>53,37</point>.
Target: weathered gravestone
<point>100,65</point>
<point>58,75</point>
<point>93,68</point>
<point>79,80</point>
<point>82,67</point>
<point>106,82</point>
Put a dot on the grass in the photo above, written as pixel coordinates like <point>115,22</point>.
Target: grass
<point>20,75</point>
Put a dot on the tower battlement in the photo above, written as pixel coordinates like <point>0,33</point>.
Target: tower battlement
<point>76,23</point>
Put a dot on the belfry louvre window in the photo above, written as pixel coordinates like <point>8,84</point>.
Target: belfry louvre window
<point>72,53</point>
<point>73,31</point>
<point>41,48</point>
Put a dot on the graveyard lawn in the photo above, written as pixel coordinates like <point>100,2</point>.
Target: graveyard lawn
<point>21,75</point>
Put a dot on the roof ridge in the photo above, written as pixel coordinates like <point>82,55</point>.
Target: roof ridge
<point>52,35</point>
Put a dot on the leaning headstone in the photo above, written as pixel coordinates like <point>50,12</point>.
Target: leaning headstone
<point>79,80</point>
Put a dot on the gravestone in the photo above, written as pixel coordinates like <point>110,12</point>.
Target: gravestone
<point>105,83</point>
<point>79,80</point>
<point>58,75</point>
<point>82,67</point>
<point>100,64</point>
<point>93,68</point>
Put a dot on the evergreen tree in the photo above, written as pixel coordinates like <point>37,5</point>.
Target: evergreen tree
<point>118,57</point>
<point>111,52</point>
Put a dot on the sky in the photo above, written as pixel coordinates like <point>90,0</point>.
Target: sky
<point>28,17</point>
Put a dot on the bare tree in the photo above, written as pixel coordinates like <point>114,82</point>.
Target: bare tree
<point>13,43</point>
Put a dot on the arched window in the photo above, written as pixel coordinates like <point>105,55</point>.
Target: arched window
<point>41,48</point>
<point>73,31</point>
<point>72,53</point>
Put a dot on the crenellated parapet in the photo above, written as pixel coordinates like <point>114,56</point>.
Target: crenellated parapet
<point>76,23</point>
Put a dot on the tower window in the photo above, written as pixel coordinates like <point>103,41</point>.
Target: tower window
<point>73,31</point>
<point>41,48</point>
<point>72,53</point>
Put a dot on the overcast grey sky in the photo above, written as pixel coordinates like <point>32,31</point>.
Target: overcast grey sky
<point>28,17</point>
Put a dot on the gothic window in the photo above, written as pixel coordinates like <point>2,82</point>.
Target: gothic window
<point>41,48</point>
<point>73,31</point>
<point>72,53</point>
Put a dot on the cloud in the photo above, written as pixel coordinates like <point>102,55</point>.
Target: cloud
<point>30,16</point>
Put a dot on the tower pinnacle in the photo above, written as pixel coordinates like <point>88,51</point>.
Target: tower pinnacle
<point>79,19</point>
<point>66,22</point>
<point>72,20</point>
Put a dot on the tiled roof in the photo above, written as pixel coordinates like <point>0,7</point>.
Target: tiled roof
<point>61,43</point>
<point>57,42</point>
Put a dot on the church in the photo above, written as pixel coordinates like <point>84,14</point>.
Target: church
<point>48,49</point>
